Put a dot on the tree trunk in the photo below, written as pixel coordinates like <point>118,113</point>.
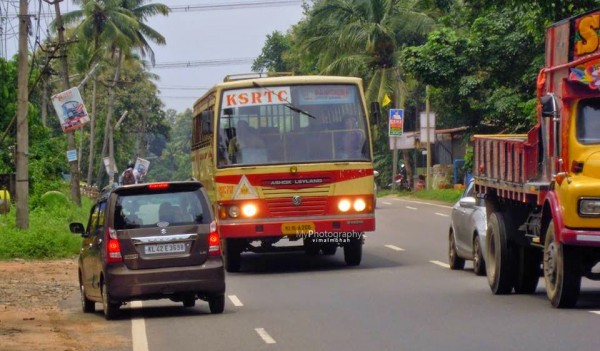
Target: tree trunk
<point>92,134</point>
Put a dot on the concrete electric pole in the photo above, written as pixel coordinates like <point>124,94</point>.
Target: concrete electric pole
<point>22,155</point>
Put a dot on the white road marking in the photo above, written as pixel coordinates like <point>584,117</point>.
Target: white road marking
<point>236,302</point>
<point>395,248</point>
<point>265,336</point>
<point>412,208</point>
<point>442,214</point>
<point>139,339</point>
<point>420,202</point>
<point>595,312</point>
<point>441,264</point>
<point>385,202</point>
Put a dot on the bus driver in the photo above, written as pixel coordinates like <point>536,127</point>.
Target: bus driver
<point>247,146</point>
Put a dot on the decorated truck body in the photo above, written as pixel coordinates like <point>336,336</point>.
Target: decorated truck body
<point>542,189</point>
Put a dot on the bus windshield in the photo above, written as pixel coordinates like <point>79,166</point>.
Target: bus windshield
<point>292,124</point>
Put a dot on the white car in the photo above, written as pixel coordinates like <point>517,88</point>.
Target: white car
<point>466,238</point>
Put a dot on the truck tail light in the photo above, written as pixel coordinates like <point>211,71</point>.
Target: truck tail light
<point>214,241</point>
<point>113,247</point>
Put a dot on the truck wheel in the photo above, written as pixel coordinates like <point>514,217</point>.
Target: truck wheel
<point>478,261</point>
<point>456,263</point>
<point>353,252</point>
<point>561,271</point>
<point>499,262</point>
<point>232,255</point>
<point>528,271</point>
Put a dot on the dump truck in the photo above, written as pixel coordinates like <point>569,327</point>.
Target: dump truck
<point>542,188</point>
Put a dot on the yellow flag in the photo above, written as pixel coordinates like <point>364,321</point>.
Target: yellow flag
<point>386,100</point>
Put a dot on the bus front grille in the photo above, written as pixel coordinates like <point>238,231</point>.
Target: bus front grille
<point>282,207</point>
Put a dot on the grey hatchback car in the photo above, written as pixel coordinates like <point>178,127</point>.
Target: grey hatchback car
<point>466,238</point>
<point>151,241</point>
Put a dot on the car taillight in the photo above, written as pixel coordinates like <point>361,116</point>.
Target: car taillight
<point>113,247</point>
<point>214,241</point>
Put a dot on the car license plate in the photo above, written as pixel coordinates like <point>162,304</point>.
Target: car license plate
<point>298,228</point>
<point>164,248</point>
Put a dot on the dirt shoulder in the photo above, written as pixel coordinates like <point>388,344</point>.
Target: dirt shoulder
<point>39,310</point>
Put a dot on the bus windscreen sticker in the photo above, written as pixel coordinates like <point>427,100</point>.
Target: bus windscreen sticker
<point>326,94</point>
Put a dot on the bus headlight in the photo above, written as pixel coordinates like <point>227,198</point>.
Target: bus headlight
<point>359,205</point>
<point>344,205</point>
<point>234,212</point>
<point>589,207</point>
<point>249,210</point>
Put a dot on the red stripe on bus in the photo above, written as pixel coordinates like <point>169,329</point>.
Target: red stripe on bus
<point>297,179</point>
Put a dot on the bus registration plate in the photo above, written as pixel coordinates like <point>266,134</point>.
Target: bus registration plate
<point>297,228</point>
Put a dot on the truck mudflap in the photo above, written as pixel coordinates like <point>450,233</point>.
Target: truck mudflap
<point>570,236</point>
<point>305,226</point>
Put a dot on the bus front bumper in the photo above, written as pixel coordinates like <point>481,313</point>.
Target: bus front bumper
<point>258,228</point>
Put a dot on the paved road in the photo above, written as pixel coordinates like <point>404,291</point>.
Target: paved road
<point>402,297</point>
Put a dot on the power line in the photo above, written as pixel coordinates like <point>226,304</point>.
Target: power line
<point>215,62</point>
<point>202,7</point>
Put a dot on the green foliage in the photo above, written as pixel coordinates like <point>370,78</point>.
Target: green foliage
<point>449,196</point>
<point>48,235</point>
<point>272,57</point>
<point>54,199</point>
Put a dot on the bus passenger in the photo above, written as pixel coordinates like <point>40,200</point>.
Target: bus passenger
<point>247,146</point>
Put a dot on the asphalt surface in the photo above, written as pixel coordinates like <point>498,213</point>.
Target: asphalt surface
<point>402,297</point>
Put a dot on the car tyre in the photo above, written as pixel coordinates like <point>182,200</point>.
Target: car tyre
<point>87,305</point>
<point>561,271</point>
<point>111,309</point>
<point>478,261</point>
<point>456,263</point>
<point>216,304</point>
<point>353,252</point>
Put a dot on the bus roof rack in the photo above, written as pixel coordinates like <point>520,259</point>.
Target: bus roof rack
<point>242,76</point>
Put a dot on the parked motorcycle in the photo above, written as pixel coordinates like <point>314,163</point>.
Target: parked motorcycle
<point>400,180</point>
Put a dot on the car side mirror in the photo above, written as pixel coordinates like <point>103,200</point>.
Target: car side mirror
<point>468,202</point>
<point>77,228</point>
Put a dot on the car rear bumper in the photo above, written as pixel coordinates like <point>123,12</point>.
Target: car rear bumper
<point>125,284</point>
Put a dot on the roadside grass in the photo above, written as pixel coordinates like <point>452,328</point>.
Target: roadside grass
<point>48,235</point>
<point>449,196</point>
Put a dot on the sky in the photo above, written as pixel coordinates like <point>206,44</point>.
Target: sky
<point>210,33</point>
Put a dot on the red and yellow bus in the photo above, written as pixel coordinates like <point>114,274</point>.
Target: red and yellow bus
<point>286,157</point>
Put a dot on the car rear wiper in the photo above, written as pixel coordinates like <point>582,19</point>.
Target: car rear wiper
<point>288,103</point>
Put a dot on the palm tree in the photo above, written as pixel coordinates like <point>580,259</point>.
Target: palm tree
<point>117,26</point>
<point>363,38</point>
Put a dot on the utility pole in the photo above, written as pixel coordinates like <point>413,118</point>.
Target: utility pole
<point>22,156</point>
<point>428,178</point>
<point>75,191</point>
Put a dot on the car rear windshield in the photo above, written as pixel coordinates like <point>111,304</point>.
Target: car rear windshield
<point>152,209</point>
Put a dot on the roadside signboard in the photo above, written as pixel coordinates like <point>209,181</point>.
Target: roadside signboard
<point>70,110</point>
<point>396,124</point>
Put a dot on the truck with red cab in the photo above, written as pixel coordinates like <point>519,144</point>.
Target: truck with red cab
<point>542,189</point>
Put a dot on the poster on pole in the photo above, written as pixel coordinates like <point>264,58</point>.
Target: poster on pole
<point>142,165</point>
<point>110,166</point>
<point>70,110</point>
<point>396,124</point>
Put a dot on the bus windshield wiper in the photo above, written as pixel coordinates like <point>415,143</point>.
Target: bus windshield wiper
<point>288,103</point>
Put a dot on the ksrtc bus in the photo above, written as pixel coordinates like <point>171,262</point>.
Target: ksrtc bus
<point>286,157</point>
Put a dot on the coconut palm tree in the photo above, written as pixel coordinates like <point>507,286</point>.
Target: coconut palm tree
<point>363,38</point>
<point>118,26</point>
